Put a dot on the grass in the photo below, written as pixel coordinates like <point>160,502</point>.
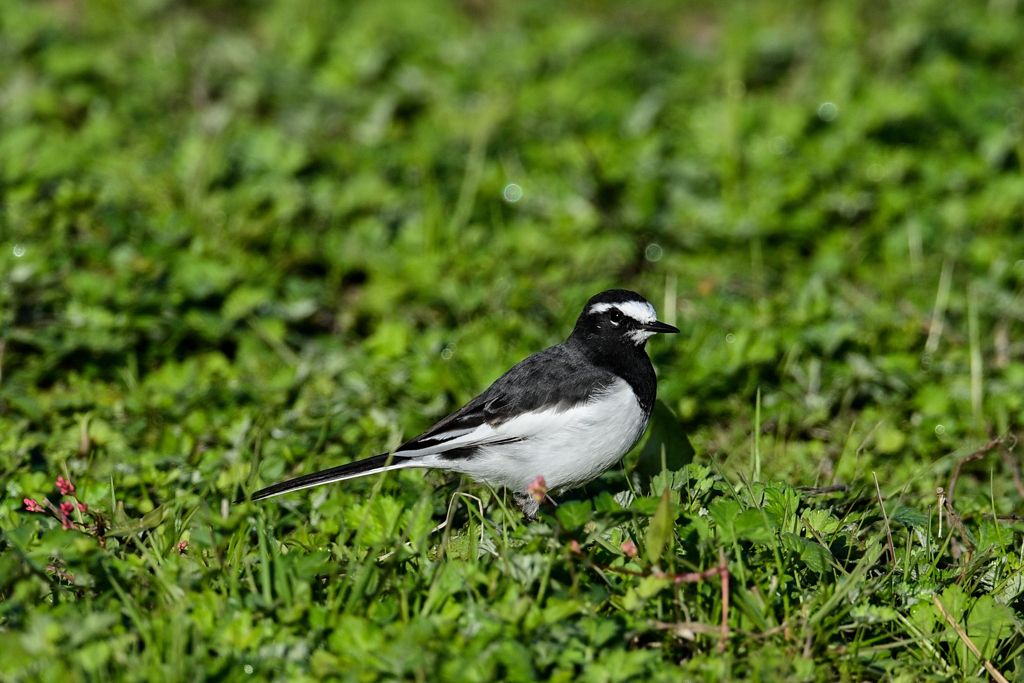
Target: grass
<point>245,241</point>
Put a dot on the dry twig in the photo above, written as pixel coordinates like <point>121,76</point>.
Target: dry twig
<point>821,490</point>
<point>1011,462</point>
<point>957,523</point>
<point>973,456</point>
<point>885,518</point>
<point>968,642</point>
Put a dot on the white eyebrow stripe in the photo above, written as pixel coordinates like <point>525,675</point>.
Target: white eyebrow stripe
<point>641,311</point>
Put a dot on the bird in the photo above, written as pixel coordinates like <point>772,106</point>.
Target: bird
<point>567,413</point>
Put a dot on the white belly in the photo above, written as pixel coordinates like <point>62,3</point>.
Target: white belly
<point>567,448</point>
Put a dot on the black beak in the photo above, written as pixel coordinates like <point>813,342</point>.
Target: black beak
<point>658,326</point>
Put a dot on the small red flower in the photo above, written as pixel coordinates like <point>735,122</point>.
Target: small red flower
<point>82,507</point>
<point>182,547</point>
<point>32,506</point>
<point>66,508</point>
<point>575,546</point>
<point>629,548</point>
<point>538,489</point>
<point>65,486</point>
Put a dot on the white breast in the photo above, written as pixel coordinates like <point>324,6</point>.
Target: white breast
<point>568,448</point>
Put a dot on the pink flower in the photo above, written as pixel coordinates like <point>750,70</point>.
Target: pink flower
<point>629,548</point>
<point>538,489</point>
<point>82,507</point>
<point>32,506</point>
<point>66,508</point>
<point>182,547</point>
<point>575,546</point>
<point>65,486</point>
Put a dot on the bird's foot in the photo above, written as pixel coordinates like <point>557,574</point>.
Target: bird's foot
<point>530,505</point>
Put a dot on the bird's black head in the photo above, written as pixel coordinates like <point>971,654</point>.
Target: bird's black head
<point>618,318</point>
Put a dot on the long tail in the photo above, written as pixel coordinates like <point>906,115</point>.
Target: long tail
<point>359,468</point>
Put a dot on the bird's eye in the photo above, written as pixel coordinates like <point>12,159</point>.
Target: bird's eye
<point>615,316</point>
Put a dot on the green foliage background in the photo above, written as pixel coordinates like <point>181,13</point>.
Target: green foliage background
<point>245,241</point>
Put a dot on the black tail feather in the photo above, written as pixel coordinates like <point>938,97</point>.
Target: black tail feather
<point>376,463</point>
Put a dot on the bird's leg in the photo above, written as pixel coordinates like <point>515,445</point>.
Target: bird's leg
<point>536,493</point>
<point>528,504</point>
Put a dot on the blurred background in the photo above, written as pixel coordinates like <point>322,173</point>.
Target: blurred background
<point>241,241</point>
<point>281,235</point>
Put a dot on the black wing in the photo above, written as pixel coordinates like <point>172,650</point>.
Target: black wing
<point>557,378</point>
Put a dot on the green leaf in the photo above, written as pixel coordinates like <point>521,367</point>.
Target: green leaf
<point>556,610</point>
<point>751,526</point>
<point>700,525</point>
<point>1009,588</point>
<point>127,526</point>
<point>781,502</point>
<point>605,502</point>
<point>631,602</point>
<point>645,505</point>
<point>243,300</point>
<point>821,521</point>
<point>989,622</point>
<point>910,517</point>
<point>660,531</point>
<point>574,513</point>
<point>652,585</point>
<point>698,479</point>
<point>816,557</point>
<point>723,513</point>
<point>926,617</point>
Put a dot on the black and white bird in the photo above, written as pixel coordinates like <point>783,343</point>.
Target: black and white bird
<point>566,413</point>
